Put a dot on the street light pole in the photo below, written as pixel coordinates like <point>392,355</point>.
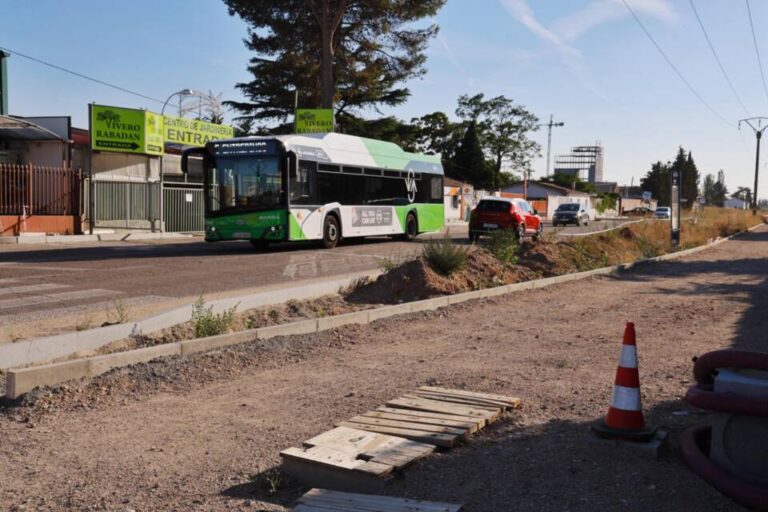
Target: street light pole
<point>756,123</point>
<point>180,94</point>
<point>549,125</point>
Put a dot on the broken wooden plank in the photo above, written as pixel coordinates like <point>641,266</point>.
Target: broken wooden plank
<point>468,426</point>
<point>339,459</point>
<point>330,477</point>
<point>455,400</point>
<point>424,404</point>
<point>324,500</point>
<point>346,458</point>
<point>406,423</point>
<point>466,400</point>
<point>513,402</point>
<point>475,420</point>
<point>438,439</point>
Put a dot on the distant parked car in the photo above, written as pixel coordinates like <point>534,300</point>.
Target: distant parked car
<point>663,212</point>
<point>495,213</point>
<point>570,213</point>
<point>640,211</point>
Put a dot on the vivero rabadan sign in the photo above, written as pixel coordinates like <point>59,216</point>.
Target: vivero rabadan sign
<point>314,120</point>
<point>127,130</point>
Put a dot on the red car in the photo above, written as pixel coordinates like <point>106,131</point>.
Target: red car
<point>493,213</point>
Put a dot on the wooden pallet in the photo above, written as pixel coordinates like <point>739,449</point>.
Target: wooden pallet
<point>439,416</point>
<point>321,500</point>
<point>351,459</point>
<point>361,454</point>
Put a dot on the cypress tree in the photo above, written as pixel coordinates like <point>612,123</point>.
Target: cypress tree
<point>469,162</point>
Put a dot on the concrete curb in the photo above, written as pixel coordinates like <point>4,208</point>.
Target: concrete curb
<point>20,381</point>
<point>23,380</point>
<point>78,239</point>
<point>62,345</point>
<point>603,230</point>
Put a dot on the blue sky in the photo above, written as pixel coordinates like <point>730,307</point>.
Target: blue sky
<point>585,61</point>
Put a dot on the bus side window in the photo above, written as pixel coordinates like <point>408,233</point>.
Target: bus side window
<point>303,183</point>
<point>436,195</point>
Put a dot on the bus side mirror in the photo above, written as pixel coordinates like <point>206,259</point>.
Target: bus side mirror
<point>185,157</point>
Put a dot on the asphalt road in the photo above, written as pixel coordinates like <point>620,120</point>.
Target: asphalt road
<point>44,281</point>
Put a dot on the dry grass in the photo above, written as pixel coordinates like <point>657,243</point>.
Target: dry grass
<point>651,238</point>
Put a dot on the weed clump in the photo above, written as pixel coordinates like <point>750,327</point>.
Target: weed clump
<point>504,245</point>
<point>444,256</point>
<point>207,323</point>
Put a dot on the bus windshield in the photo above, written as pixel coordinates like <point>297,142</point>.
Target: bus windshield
<point>245,183</point>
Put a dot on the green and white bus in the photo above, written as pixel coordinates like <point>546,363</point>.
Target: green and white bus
<point>317,187</point>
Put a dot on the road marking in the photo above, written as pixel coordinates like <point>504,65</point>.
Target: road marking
<point>55,297</point>
<point>41,267</point>
<point>16,317</point>
<point>32,288</point>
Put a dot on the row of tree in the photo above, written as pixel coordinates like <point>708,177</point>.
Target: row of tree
<point>713,190</point>
<point>355,56</point>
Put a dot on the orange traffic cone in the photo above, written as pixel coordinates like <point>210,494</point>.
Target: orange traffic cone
<point>625,414</point>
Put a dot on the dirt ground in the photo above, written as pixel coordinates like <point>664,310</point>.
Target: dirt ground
<point>204,433</point>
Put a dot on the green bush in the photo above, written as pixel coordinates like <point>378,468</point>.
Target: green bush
<point>208,323</point>
<point>445,256</point>
<point>504,245</point>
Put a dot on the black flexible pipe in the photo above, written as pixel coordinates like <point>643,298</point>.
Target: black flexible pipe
<point>748,494</point>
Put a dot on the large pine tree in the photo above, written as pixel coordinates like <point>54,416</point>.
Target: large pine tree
<point>345,54</point>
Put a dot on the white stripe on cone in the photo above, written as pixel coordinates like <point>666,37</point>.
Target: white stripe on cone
<point>624,398</point>
<point>628,357</point>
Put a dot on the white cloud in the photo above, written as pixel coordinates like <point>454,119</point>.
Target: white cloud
<point>599,12</point>
<point>520,10</point>
<point>452,58</point>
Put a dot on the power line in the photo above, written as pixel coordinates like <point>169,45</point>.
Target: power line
<point>757,50</point>
<point>674,68</point>
<point>719,63</point>
<point>75,73</point>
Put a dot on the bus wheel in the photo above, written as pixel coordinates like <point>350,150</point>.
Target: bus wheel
<point>330,232</point>
<point>260,245</point>
<point>411,227</point>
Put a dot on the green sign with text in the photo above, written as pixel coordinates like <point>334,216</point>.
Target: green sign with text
<point>314,120</point>
<point>126,130</point>
<point>192,132</point>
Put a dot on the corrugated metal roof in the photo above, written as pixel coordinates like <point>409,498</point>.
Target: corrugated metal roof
<point>14,128</point>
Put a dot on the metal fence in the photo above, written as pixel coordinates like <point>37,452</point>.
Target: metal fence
<point>136,205</point>
<point>124,204</point>
<point>36,190</point>
<point>183,208</point>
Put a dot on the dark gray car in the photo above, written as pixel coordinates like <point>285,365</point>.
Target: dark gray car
<point>570,213</point>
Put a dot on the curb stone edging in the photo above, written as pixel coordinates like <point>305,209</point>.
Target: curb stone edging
<point>62,345</point>
<point>23,380</point>
<point>96,237</point>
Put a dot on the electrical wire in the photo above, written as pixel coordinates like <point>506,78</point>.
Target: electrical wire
<point>757,50</point>
<point>75,73</point>
<point>717,59</point>
<point>674,68</point>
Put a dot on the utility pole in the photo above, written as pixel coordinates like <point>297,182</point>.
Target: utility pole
<point>549,126</point>
<point>756,123</point>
